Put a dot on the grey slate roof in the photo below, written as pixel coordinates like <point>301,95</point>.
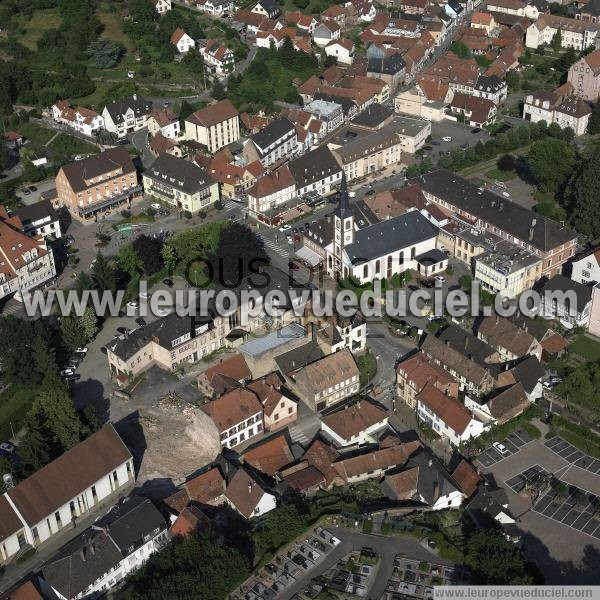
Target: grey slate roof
<point>431,257</point>
<point>97,550</point>
<point>373,116</point>
<point>314,166</point>
<point>529,372</point>
<point>273,132</point>
<point>560,283</point>
<point>117,108</point>
<point>80,562</point>
<point>128,521</point>
<point>299,357</point>
<point>184,175</point>
<point>494,209</point>
<point>163,331</point>
<point>389,235</point>
<point>467,344</point>
<point>430,475</point>
<point>36,211</point>
<point>390,65</point>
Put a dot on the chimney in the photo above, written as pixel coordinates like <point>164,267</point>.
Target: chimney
<point>135,96</point>
<point>466,342</point>
<point>250,488</point>
<point>430,463</point>
<point>313,332</point>
<point>447,342</point>
<point>92,549</point>
<point>83,553</point>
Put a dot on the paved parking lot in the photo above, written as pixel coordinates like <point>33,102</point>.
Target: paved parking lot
<point>513,443</point>
<point>563,554</point>
<point>573,456</point>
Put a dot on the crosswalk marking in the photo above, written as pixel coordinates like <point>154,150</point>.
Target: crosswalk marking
<point>298,436</point>
<point>275,247</point>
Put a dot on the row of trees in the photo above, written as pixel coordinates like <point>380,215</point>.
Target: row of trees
<point>29,351</point>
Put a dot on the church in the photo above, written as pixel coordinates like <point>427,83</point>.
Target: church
<point>376,251</point>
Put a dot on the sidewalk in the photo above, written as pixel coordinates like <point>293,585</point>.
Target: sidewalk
<point>13,571</point>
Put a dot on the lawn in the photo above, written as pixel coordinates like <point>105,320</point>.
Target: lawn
<point>499,175</point>
<point>40,22</point>
<point>14,405</point>
<point>113,29</point>
<point>586,347</point>
<point>197,276</point>
<point>367,365</point>
<point>35,133</point>
<point>68,145</point>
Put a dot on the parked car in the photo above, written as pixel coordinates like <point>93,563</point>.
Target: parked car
<point>429,148</point>
<point>440,278</point>
<point>81,350</point>
<point>25,191</point>
<point>285,228</point>
<point>168,282</point>
<point>476,130</point>
<point>435,142</point>
<point>427,283</point>
<point>144,295</point>
<point>66,372</point>
<point>122,330</point>
<point>447,138</point>
<point>32,188</point>
<point>6,449</point>
<point>140,322</point>
<point>161,312</point>
<point>155,206</point>
<point>133,304</point>
<point>500,448</point>
<point>69,240</point>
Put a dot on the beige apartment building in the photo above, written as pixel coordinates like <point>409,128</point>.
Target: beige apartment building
<point>98,184</point>
<point>214,126</point>
<point>363,153</point>
<point>584,76</point>
<point>327,381</point>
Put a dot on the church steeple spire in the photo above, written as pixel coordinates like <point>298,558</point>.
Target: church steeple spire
<point>343,208</point>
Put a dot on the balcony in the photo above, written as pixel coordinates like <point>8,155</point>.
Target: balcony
<point>108,202</point>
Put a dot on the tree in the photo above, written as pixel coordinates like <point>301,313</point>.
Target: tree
<point>506,162</point>
<point>89,322</point>
<point>169,257</point>
<point>44,358</point>
<point>460,50</point>
<point>217,90</point>
<point>54,402</point>
<point>550,161</point>
<point>494,560</point>
<point>198,566</point>
<point>557,40</point>
<point>83,282</point>
<point>582,197</point>
<point>104,54</point>
<point>72,332</point>
<point>237,249</point>
<point>90,421</point>
<point>129,261</point>
<point>594,122</point>
<point>34,450</point>
<point>103,275</point>
<point>149,250</point>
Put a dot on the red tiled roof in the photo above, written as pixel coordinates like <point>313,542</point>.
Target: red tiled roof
<point>466,477</point>
<point>271,455</point>
<point>232,408</point>
<point>449,410</point>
